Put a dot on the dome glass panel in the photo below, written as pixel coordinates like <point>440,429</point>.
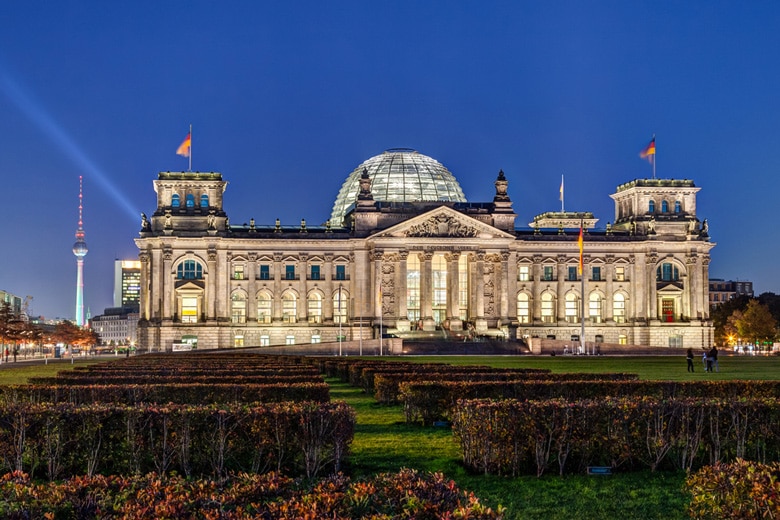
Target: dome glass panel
<point>399,175</point>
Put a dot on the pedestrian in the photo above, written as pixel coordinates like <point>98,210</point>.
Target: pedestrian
<point>689,357</point>
<point>704,359</point>
<point>713,355</point>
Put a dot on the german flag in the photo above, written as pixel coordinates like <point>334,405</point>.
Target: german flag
<point>648,151</point>
<point>184,147</point>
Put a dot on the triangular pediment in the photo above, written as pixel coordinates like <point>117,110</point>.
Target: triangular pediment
<point>442,222</point>
<point>668,288</point>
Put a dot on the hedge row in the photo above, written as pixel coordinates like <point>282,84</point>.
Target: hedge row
<point>62,440</point>
<point>429,400</point>
<point>130,378</point>
<point>407,494</point>
<point>741,489</point>
<point>518,437</point>
<point>178,393</point>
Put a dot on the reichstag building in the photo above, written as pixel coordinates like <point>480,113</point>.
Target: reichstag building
<point>405,253</point>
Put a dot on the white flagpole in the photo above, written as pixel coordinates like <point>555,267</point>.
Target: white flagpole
<point>562,210</point>
<point>190,148</point>
<point>654,156</point>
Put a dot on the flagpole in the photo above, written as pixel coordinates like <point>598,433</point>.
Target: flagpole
<point>190,170</point>
<point>562,210</point>
<point>582,289</point>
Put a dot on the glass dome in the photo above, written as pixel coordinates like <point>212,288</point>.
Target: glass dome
<point>399,175</point>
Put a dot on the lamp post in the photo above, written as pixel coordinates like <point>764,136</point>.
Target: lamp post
<point>340,319</point>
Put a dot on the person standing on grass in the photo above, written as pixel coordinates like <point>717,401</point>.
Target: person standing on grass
<point>704,358</point>
<point>713,355</point>
<point>689,357</point>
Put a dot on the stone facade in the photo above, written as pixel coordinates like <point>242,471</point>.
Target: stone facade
<point>410,268</point>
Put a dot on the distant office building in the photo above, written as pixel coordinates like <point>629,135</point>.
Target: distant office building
<point>403,251</point>
<point>117,325</point>
<point>14,301</point>
<point>725,290</point>
<point>127,283</point>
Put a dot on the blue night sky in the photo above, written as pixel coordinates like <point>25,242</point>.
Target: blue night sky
<point>287,98</point>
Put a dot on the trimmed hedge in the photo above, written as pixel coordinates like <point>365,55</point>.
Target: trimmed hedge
<point>407,494</point>
<point>512,437</point>
<point>740,490</point>
<point>61,440</point>
<point>178,393</point>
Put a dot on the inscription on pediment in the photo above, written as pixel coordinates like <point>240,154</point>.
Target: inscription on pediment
<point>441,226</point>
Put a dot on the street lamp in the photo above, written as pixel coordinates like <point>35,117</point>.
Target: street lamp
<point>340,319</point>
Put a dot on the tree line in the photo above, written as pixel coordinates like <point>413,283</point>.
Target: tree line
<point>751,320</point>
<point>17,330</point>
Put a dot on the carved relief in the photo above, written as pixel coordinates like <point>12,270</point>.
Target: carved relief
<point>441,226</point>
<point>388,288</point>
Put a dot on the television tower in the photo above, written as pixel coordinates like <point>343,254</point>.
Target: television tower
<point>80,250</point>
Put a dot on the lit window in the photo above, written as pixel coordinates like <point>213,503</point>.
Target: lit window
<point>238,308</point>
<point>619,308</point>
<point>571,308</point>
<point>264,308</point>
<point>238,340</point>
<point>523,308</point>
<point>316,338</point>
<point>594,308</point>
<point>340,299</point>
<point>548,273</point>
<point>289,308</point>
<point>524,273</point>
<point>265,340</point>
<point>189,309</point>
<point>548,308</point>
<point>622,339</point>
<point>620,273</point>
<point>238,272</point>
<point>289,340</point>
<point>315,308</point>
<point>413,290</point>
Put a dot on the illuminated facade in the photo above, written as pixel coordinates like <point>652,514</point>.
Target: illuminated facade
<point>420,259</point>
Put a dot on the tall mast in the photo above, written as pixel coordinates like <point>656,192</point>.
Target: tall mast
<point>80,250</point>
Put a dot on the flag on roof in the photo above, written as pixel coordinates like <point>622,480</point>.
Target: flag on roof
<point>184,147</point>
<point>648,151</point>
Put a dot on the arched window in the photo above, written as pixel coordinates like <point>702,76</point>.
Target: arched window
<point>571,308</point>
<point>238,307</point>
<point>677,206</point>
<point>340,306</point>
<point>619,308</point>
<point>651,206</point>
<point>264,308</point>
<point>289,308</point>
<point>667,272</point>
<point>204,201</point>
<point>664,206</point>
<point>175,202</point>
<point>548,308</point>
<point>190,201</point>
<point>314,309</point>
<point>189,270</point>
<point>594,308</point>
<point>523,308</point>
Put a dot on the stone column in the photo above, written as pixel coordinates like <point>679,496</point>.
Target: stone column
<point>453,287</point>
<point>560,290</point>
<point>222,283</point>
<point>168,293</point>
<point>426,290</point>
<point>479,274</point>
<point>536,289</point>
<point>302,271</point>
<point>503,289</point>
<point>251,301</point>
<point>145,310</point>
<point>402,323</point>
<point>327,288</point>
<point>277,285</point>
<point>609,292</point>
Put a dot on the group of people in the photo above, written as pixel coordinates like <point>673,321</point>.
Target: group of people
<point>709,359</point>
